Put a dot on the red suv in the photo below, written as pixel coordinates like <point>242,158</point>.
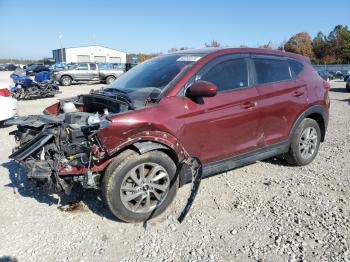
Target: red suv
<point>137,138</point>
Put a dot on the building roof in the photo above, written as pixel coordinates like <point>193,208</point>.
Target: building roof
<point>89,46</point>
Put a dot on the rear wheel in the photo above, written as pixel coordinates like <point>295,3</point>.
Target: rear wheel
<point>110,79</point>
<point>305,143</point>
<point>139,187</point>
<point>66,80</point>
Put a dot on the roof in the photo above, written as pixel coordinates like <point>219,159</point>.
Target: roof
<point>227,50</point>
<point>89,46</point>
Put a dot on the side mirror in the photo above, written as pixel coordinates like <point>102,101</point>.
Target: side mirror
<point>201,89</point>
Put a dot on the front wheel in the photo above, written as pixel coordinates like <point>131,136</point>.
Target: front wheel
<point>305,143</point>
<point>66,80</point>
<point>140,187</point>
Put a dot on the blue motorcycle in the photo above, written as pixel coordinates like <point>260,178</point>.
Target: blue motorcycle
<point>27,88</point>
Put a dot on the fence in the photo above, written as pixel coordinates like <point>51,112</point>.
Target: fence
<point>341,67</point>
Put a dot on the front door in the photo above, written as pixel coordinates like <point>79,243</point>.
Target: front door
<point>82,72</point>
<point>227,124</point>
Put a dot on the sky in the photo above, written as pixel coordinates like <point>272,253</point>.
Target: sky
<point>31,28</point>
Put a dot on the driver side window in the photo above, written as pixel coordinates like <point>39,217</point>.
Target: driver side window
<point>228,75</point>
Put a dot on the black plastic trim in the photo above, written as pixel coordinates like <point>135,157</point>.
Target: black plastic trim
<point>218,167</point>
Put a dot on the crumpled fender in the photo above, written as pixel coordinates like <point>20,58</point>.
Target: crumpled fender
<point>165,140</point>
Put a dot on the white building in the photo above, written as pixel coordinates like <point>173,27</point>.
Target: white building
<point>93,53</point>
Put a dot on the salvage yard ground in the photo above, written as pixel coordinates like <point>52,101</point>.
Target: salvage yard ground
<point>268,210</point>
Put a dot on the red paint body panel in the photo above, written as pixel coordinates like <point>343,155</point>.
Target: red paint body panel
<point>228,124</point>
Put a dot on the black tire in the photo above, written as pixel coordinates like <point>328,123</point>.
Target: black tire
<point>66,81</point>
<point>118,170</point>
<point>110,79</point>
<point>348,87</point>
<point>295,156</point>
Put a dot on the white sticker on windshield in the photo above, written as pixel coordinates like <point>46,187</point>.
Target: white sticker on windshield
<point>189,58</point>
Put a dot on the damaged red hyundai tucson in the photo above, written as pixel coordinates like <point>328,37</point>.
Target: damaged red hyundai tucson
<point>173,120</point>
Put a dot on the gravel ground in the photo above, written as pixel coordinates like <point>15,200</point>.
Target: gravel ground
<point>267,211</point>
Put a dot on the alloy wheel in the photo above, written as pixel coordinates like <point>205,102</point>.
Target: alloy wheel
<point>144,187</point>
<point>308,142</point>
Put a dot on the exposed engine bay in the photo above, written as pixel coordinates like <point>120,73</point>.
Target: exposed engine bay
<point>63,148</point>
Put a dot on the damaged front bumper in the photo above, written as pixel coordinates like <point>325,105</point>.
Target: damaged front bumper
<point>60,150</point>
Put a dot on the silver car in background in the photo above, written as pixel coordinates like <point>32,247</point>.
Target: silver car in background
<point>85,72</point>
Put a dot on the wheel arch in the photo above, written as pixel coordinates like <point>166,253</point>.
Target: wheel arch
<point>66,75</point>
<point>317,113</point>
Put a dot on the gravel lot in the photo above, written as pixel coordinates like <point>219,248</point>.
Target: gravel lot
<point>267,211</point>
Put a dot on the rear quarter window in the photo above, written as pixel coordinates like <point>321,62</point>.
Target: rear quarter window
<point>295,66</point>
<point>271,70</point>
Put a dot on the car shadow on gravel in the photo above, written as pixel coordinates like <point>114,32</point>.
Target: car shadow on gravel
<point>276,161</point>
<point>92,199</point>
<point>344,100</point>
<point>339,90</point>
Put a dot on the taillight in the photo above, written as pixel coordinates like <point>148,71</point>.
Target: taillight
<point>326,85</point>
<point>4,92</point>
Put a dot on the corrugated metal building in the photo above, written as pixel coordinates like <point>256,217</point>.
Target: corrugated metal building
<point>94,53</point>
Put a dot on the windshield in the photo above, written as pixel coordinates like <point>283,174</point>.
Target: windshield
<point>148,79</point>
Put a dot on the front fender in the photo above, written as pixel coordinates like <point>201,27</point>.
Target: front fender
<point>159,139</point>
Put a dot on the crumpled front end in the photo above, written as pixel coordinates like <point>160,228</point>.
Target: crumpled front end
<point>60,150</point>
<point>63,148</point>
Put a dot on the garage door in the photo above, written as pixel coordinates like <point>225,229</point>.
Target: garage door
<point>114,60</point>
<point>83,58</point>
<point>100,59</point>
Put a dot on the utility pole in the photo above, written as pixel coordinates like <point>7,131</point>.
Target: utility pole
<point>60,36</point>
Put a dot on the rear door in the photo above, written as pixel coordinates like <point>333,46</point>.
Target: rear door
<point>94,72</point>
<point>283,96</point>
<point>227,124</point>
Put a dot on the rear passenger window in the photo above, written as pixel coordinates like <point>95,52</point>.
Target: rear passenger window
<point>228,75</point>
<point>271,70</point>
<point>92,67</point>
<point>296,67</point>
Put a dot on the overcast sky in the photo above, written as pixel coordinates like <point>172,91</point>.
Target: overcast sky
<point>30,29</point>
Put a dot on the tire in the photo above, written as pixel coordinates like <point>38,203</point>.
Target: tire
<point>66,80</point>
<point>110,79</point>
<point>303,149</point>
<point>348,87</point>
<point>117,180</point>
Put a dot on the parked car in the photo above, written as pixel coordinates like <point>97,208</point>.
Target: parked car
<point>36,68</point>
<point>348,84</point>
<point>8,105</point>
<point>339,75</point>
<point>325,75</point>
<point>195,113</point>
<point>347,75</point>
<point>84,72</point>
<point>331,75</point>
<point>2,67</point>
<point>10,67</point>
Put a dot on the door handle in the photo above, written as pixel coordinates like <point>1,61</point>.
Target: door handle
<point>248,105</point>
<point>298,93</point>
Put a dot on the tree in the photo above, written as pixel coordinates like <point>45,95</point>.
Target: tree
<point>339,40</point>
<point>213,43</point>
<point>301,44</point>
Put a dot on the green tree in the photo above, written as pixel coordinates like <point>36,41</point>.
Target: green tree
<point>339,40</point>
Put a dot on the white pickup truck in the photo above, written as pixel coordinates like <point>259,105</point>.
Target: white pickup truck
<point>84,72</point>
